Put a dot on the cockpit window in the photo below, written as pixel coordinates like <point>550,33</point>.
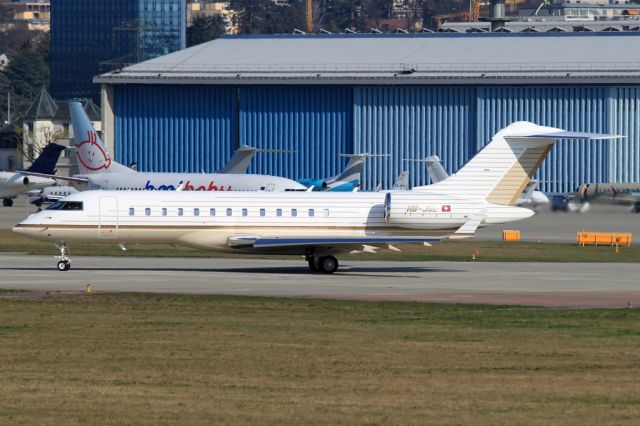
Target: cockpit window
<point>66,205</point>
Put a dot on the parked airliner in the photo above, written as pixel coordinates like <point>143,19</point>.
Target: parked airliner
<point>317,225</point>
<point>99,171</point>
<point>15,183</point>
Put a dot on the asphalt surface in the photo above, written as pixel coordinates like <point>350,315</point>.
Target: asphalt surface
<point>545,226</point>
<point>542,284</point>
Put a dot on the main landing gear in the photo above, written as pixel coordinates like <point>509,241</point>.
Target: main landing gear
<point>7,202</point>
<point>64,264</point>
<point>324,264</point>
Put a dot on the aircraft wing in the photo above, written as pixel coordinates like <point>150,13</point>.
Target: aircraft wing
<point>287,244</point>
<point>56,177</point>
<point>298,245</point>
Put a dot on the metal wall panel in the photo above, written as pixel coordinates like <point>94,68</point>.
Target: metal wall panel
<point>576,108</point>
<point>175,128</point>
<point>315,123</point>
<point>624,165</point>
<point>412,123</point>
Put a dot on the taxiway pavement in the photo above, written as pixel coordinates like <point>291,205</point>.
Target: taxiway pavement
<point>543,284</point>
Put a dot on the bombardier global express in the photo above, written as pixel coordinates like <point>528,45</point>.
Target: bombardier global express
<point>317,225</point>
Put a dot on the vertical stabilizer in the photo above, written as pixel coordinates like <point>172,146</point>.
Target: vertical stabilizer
<point>437,173</point>
<point>46,162</point>
<point>90,151</point>
<point>503,168</point>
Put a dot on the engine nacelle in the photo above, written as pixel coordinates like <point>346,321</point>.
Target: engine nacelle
<point>318,184</point>
<point>25,181</point>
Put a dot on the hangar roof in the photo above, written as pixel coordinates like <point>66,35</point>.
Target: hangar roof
<point>491,58</point>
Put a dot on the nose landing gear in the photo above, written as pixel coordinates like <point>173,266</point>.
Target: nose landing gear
<point>64,264</point>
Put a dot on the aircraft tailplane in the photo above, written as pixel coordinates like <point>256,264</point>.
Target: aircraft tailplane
<point>503,168</point>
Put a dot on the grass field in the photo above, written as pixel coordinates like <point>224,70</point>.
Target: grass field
<point>195,360</point>
<point>490,251</point>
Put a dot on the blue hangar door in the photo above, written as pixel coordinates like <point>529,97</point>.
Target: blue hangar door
<point>175,128</point>
<point>313,122</point>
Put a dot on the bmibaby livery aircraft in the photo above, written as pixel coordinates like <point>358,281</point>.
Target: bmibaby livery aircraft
<point>314,224</point>
<point>99,171</point>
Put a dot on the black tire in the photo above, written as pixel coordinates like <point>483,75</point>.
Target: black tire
<point>313,265</point>
<point>7,202</point>
<point>328,264</point>
<point>64,265</point>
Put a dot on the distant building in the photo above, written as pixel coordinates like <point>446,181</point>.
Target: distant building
<point>4,61</point>
<point>198,9</point>
<point>36,13</point>
<point>93,36</point>
<point>47,120</point>
<point>563,15</point>
<point>8,149</point>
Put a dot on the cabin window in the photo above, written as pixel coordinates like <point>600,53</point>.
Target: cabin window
<point>294,212</point>
<point>245,212</point>
<point>66,205</point>
<point>263,212</point>
<point>180,211</point>
<point>312,213</point>
<point>132,211</point>
<point>278,212</point>
<point>212,212</point>
<point>147,211</point>
<point>196,212</point>
<point>164,211</point>
<point>325,213</point>
<point>229,212</point>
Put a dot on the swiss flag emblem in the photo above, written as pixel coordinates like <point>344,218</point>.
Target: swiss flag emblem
<point>446,208</point>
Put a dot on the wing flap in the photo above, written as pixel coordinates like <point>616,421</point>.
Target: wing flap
<point>281,242</point>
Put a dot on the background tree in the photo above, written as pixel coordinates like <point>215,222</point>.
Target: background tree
<point>205,28</point>
<point>265,17</point>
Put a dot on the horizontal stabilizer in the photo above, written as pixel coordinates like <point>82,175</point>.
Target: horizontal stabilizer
<point>56,177</point>
<point>565,135</point>
<point>470,227</point>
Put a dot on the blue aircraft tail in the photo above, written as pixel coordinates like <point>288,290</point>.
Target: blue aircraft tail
<point>46,162</point>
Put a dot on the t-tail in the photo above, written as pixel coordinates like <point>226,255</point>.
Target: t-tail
<point>502,169</point>
<point>91,152</point>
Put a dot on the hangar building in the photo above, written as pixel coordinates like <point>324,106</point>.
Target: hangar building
<point>404,95</point>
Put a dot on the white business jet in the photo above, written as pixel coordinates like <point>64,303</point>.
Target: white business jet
<point>317,225</point>
<point>99,171</point>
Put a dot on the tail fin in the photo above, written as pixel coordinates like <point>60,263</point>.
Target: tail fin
<point>402,183</point>
<point>437,173</point>
<point>46,162</point>
<point>502,169</point>
<point>92,154</point>
<point>239,162</point>
<point>353,171</point>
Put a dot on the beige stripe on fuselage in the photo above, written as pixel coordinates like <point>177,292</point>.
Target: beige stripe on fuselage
<point>507,191</point>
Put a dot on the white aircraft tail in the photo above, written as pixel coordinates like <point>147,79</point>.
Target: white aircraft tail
<point>239,162</point>
<point>503,168</point>
<point>91,152</point>
<point>402,182</point>
<point>437,173</point>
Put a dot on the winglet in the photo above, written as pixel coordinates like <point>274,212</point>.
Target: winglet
<point>469,228</point>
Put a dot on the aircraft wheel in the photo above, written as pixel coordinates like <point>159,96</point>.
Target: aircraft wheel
<point>7,202</point>
<point>328,264</point>
<point>64,265</point>
<point>313,264</point>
